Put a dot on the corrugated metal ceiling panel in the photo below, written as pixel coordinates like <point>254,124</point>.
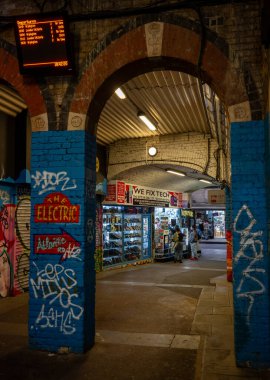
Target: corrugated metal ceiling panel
<point>171,99</point>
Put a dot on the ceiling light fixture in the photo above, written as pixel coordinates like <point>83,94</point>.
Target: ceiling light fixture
<point>175,172</point>
<point>120,93</point>
<point>147,122</point>
<point>204,180</point>
<point>152,151</point>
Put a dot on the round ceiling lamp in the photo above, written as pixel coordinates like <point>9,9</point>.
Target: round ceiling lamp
<point>152,151</point>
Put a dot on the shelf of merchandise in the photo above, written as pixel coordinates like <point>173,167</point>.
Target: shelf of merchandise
<point>132,237</point>
<point>163,242</point>
<point>146,238</point>
<point>112,238</point>
<point>126,236</point>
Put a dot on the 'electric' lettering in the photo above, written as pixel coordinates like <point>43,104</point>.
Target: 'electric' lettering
<point>45,213</point>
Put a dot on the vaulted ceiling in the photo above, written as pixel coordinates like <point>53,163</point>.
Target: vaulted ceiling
<point>175,102</point>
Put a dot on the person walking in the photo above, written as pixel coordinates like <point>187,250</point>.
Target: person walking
<point>178,238</point>
<point>193,238</point>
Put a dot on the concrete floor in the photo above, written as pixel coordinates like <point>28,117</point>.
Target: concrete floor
<point>160,321</point>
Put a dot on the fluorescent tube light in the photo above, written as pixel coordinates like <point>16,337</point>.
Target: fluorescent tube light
<point>120,93</point>
<point>205,181</point>
<point>147,122</point>
<point>176,173</point>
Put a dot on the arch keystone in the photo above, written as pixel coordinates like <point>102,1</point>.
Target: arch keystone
<point>154,38</point>
<point>240,112</point>
<point>40,123</point>
<point>76,121</point>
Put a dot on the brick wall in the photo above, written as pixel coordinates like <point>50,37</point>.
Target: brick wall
<point>250,248</point>
<point>63,237</point>
<point>190,150</point>
<point>235,30</point>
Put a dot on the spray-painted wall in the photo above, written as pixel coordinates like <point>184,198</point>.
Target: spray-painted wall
<point>14,238</point>
<point>62,275</point>
<point>250,248</point>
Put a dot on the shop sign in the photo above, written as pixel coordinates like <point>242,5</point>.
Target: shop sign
<point>146,195</point>
<point>57,244</point>
<point>56,208</point>
<point>216,196</point>
<point>128,194</point>
<point>121,192</point>
<point>155,197</point>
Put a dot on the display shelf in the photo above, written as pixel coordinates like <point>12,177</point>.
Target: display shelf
<point>112,237</point>
<point>132,236</point>
<point>126,237</point>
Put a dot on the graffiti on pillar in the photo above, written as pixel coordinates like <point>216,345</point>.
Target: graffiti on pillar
<point>58,287</point>
<point>57,244</point>
<point>7,241</point>
<point>14,243</point>
<point>98,250</point>
<point>48,181</point>
<point>22,252</point>
<point>56,208</point>
<point>251,250</point>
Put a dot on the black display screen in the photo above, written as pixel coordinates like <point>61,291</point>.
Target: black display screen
<point>43,45</point>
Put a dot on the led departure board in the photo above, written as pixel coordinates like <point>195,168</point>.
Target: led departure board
<point>43,45</point>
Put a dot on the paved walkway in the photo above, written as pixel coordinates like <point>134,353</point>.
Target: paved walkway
<point>161,321</point>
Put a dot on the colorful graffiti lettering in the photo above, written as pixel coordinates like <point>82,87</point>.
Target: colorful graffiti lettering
<point>57,244</point>
<point>22,225</point>
<point>14,247</point>
<point>57,208</point>
<point>58,286</point>
<point>7,242</point>
<point>5,274</point>
<point>49,181</point>
<point>251,249</point>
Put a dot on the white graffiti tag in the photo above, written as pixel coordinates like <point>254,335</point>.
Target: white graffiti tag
<point>49,181</point>
<point>251,249</point>
<point>58,286</point>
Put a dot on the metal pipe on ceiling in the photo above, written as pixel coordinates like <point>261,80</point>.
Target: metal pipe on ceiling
<point>12,96</point>
<point>10,105</point>
<point>7,111</point>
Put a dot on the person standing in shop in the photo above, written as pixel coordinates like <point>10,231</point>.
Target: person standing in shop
<point>193,238</point>
<point>178,238</point>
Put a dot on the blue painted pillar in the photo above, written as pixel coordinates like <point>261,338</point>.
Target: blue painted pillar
<point>62,275</point>
<point>250,248</point>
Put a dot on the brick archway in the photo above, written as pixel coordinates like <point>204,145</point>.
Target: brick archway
<point>170,46</point>
<point>28,88</point>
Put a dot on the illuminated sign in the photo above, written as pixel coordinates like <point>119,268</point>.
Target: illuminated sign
<point>57,209</point>
<point>43,45</point>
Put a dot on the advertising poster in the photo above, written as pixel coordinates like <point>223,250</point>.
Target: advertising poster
<point>120,192</point>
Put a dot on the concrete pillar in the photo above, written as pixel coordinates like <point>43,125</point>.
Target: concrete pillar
<point>62,275</point>
<point>250,244</point>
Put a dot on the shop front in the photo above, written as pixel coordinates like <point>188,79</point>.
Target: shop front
<point>137,222</point>
<point>212,222</point>
<point>166,219</point>
<point>209,208</point>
